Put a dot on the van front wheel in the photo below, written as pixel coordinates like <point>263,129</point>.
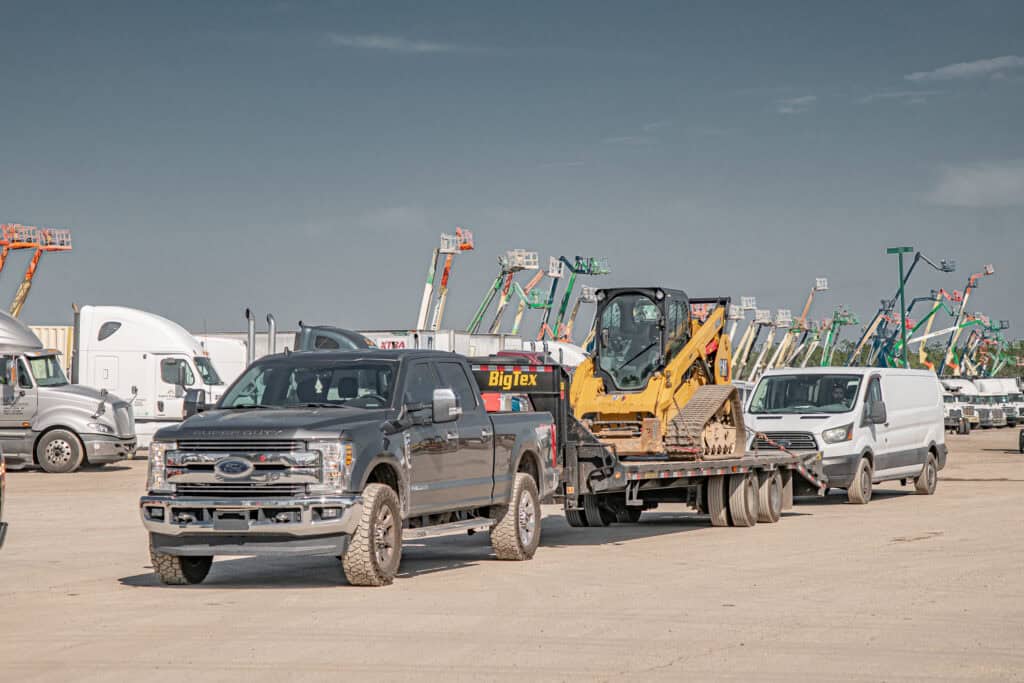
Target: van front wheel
<point>929,478</point>
<point>859,492</point>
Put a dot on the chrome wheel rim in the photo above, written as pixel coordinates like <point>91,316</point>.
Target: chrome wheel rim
<point>58,452</point>
<point>527,519</point>
<point>383,537</point>
<point>932,476</point>
<point>865,483</point>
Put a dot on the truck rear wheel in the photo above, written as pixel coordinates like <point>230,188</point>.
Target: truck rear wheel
<point>718,508</point>
<point>174,570</point>
<point>1020,441</point>
<point>929,478</point>
<point>375,549</point>
<point>576,518</point>
<point>59,452</point>
<point>595,514</point>
<point>742,499</point>
<point>769,503</point>
<point>517,534</point>
<point>859,492</point>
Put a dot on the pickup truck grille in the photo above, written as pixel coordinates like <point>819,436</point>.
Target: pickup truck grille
<point>275,446</point>
<point>794,441</point>
<point>226,490</point>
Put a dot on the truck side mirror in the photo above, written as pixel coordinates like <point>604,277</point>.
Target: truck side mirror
<point>195,401</point>
<point>445,406</point>
<point>876,413</point>
<point>182,374</point>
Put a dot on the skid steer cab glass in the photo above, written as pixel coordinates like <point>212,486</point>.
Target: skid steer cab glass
<point>629,340</point>
<point>831,394</point>
<point>156,481</point>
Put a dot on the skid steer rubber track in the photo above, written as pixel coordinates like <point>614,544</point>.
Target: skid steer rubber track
<point>684,437</point>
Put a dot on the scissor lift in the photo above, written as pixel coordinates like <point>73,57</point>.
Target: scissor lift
<point>16,236</point>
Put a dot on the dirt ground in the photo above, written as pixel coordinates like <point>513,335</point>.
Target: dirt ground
<point>907,587</point>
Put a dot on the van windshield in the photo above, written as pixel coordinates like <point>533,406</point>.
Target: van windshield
<point>206,370</point>
<point>47,371</point>
<point>805,394</point>
<point>323,384</point>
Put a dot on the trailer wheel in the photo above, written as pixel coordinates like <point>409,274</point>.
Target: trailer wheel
<point>517,534</point>
<point>859,492</point>
<point>174,570</point>
<point>1020,441</point>
<point>596,515</point>
<point>629,515</point>
<point>769,503</point>
<point>375,549</point>
<point>742,500</point>
<point>59,452</point>
<point>718,508</point>
<point>925,484</point>
<point>576,518</point>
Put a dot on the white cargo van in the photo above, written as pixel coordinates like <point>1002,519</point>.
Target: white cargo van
<point>871,424</point>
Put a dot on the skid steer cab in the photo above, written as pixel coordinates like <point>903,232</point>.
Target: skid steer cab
<point>658,381</point>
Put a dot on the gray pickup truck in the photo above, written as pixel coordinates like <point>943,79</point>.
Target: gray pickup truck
<point>344,454</point>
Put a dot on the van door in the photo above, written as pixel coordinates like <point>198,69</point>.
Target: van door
<point>16,416</point>
<point>878,433</point>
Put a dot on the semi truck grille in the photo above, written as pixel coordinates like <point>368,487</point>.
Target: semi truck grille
<point>968,411</point>
<point>794,441</point>
<point>123,420</point>
<point>240,490</point>
<point>275,446</point>
<point>956,413</point>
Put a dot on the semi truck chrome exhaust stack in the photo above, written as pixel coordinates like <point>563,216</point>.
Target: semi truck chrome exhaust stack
<point>250,351</point>
<point>271,334</point>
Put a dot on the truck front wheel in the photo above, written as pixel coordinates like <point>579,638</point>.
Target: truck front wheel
<point>59,451</point>
<point>375,549</point>
<point>517,534</point>
<point>174,570</point>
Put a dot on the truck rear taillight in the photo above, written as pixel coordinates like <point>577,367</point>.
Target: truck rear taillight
<point>554,447</point>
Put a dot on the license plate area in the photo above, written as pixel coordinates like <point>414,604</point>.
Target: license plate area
<point>231,520</point>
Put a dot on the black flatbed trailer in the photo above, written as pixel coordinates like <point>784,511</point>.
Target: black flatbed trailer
<point>598,487</point>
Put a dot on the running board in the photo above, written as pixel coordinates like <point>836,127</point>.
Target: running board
<point>451,529</point>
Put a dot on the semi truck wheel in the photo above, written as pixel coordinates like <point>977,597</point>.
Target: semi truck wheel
<point>576,518</point>
<point>375,549</point>
<point>1020,441</point>
<point>718,508</point>
<point>517,534</point>
<point>929,478</point>
<point>742,499</point>
<point>59,452</point>
<point>173,570</point>
<point>859,492</point>
<point>595,515</point>
<point>769,503</point>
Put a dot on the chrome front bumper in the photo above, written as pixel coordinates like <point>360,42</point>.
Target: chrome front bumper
<point>101,449</point>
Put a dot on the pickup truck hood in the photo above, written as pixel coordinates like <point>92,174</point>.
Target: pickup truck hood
<point>272,423</point>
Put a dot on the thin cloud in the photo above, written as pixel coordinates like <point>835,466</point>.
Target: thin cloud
<point>795,105</point>
<point>398,44</point>
<point>907,96</point>
<point>982,68</point>
<point>980,186</point>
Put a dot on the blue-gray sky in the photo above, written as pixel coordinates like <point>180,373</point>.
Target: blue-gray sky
<point>302,158</point>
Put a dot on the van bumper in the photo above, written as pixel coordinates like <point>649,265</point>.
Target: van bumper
<point>839,469</point>
<point>101,449</point>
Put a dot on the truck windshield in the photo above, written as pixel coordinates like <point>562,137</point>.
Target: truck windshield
<point>1017,398</point>
<point>805,394</point>
<point>206,370</point>
<point>629,344</point>
<point>949,398</point>
<point>47,371</point>
<point>358,384</point>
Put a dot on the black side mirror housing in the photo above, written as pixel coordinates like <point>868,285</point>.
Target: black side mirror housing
<point>182,374</point>
<point>195,401</point>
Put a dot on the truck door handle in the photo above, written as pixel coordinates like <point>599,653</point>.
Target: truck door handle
<point>451,435</point>
<point>485,434</point>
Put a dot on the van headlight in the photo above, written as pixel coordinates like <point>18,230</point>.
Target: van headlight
<point>336,465</point>
<point>838,434</point>
<point>156,480</point>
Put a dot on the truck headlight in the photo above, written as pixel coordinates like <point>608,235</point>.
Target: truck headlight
<point>156,480</point>
<point>100,428</point>
<point>838,434</point>
<point>335,464</point>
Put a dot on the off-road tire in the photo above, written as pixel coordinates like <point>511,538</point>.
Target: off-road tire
<point>60,451</point>
<point>517,534</point>
<point>629,515</point>
<point>769,502</point>
<point>742,499</point>
<point>859,492</point>
<point>718,507</point>
<point>174,570</point>
<point>576,518</point>
<point>926,483</point>
<point>596,515</point>
<point>360,562</point>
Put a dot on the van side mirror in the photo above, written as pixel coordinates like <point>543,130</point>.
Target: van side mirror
<point>876,413</point>
<point>445,406</point>
<point>195,401</point>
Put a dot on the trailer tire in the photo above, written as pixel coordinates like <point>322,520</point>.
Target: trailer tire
<point>576,518</point>
<point>375,549</point>
<point>859,492</point>
<point>174,570</point>
<point>718,507</point>
<point>769,503</point>
<point>629,515</point>
<point>595,514</point>
<point>1020,441</point>
<point>517,534</point>
<point>59,451</point>
<point>742,499</point>
<point>925,484</point>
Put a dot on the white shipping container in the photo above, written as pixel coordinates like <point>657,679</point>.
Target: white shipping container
<point>60,337</point>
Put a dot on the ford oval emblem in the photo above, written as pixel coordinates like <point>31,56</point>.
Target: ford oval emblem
<point>233,468</point>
